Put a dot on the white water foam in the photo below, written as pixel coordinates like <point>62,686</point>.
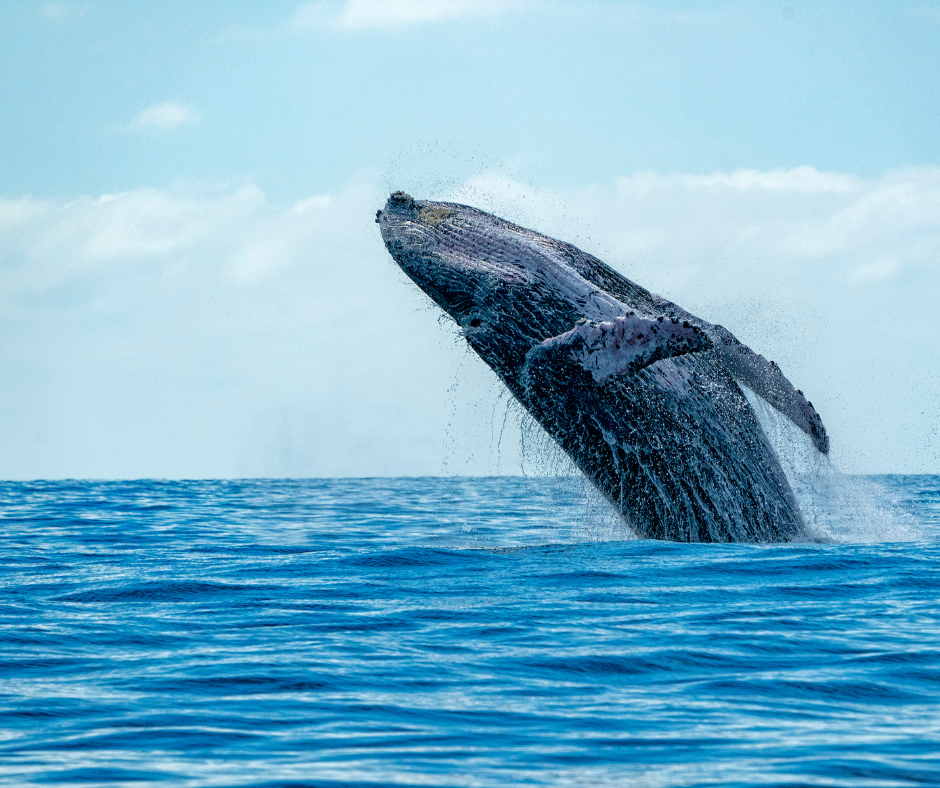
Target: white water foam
<point>836,507</point>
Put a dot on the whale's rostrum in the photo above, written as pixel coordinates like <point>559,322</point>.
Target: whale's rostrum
<point>642,395</point>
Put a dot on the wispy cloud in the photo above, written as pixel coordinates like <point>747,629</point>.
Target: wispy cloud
<point>833,276</point>
<point>392,14</point>
<point>168,116</point>
<point>63,12</point>
<point>135,314</point>
<point>816,221</point>
<point>925,13</point>
<point>239,336</point>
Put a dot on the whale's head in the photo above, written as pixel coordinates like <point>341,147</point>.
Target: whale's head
<point>507,288</point>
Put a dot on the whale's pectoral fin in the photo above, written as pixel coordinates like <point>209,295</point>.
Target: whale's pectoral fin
<point>627,344</point>
<point>766,380</point>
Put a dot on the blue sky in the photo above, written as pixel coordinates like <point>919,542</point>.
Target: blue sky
<point>191,285</point>
<point>296,101</point>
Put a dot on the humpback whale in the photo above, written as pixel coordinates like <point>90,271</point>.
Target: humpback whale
<point>643,396</point>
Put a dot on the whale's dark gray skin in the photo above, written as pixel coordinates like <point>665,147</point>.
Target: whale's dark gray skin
<point>644,397</point>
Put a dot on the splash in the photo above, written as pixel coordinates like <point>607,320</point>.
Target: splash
<point>491,433</point>
<point>835,506</point>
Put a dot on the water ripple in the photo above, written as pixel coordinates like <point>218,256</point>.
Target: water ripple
<point>451,632</point>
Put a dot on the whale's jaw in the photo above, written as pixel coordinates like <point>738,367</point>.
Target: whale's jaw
<point>638,392</point>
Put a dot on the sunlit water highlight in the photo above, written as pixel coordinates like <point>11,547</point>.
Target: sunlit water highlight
<point>497,631</point>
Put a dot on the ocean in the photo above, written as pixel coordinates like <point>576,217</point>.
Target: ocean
<point>457,632</point>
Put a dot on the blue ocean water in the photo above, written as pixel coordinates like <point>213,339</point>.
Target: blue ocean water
<point>448,632</point>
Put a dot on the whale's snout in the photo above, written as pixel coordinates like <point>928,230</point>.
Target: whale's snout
<point>401,200</point>
<point>401,205</point>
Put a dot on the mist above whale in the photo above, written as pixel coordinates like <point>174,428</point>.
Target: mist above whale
<point>644,397</point>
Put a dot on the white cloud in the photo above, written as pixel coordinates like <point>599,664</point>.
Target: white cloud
<point>391,14</point>
<point>64,12</point>
<point>835,277</point>
<point>801,215</point>
<point>168,116</point>
<point>173,333</point>
<point>797,180</point>
<point>925,13</point>
<point>877,271</point>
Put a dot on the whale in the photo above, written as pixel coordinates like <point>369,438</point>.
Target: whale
<point>649,401</point>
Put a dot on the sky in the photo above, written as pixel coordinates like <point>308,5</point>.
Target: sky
<point>192,284</point>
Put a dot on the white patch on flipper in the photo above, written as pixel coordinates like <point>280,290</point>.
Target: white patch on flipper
<point>628,343</point>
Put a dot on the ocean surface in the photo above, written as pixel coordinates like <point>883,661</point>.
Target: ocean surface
<point>458,632</point>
